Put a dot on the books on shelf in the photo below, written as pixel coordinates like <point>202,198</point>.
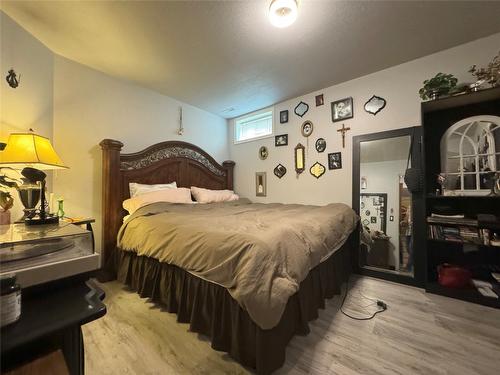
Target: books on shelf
<point>458,228</point>
<point>452,219</point>
<point>460,234</point>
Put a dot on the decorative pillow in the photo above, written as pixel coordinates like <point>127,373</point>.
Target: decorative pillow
<point>178,195</point>
<point>212,196</point>
<point>138,189</point>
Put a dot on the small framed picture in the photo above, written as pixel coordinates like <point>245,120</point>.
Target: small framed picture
<point>320,144</point>
<point>373,219</point>
<point>260,184</point>
<point>284,116</point>
<point>281,140</point>
<point>335,160</point>
<point>263,153</point>
<point>342,109</point>
<point>307,128</point>
<point>319,100</point>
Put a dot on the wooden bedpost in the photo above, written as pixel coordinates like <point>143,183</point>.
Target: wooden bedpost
<point>111,206</point>
<point>229,166</point>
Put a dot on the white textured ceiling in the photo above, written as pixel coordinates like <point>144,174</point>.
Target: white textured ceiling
<point>222,54</point>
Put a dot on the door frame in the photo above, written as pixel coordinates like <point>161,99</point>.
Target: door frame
<point>419,234</point>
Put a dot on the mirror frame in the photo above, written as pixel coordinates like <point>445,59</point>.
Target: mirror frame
<point>302,150</point>
<point>418,209</point>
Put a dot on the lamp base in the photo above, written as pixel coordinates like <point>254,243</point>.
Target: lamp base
<point>37,220</point>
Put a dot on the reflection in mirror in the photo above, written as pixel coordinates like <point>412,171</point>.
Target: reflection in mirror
<point>470,156</point>
<point>385,206</point>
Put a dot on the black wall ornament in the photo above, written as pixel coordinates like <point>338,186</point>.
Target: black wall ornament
<point>280,170</point>
<point>301,109</point>
<point>12,79</point>
<point>320,145</point>
<point>375,104</point>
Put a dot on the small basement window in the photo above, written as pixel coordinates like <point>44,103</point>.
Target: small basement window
<point>253,126</point>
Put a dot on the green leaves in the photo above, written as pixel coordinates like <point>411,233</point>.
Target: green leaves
<point>440,84</point>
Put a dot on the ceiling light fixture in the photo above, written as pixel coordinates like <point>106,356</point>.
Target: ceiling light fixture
<point>283,13</point>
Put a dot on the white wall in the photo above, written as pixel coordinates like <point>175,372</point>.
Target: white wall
<point>90,106</point>
<point>30,104</point>
<point>77,107</point>
<point>399,85</point>
<point>383,177</point>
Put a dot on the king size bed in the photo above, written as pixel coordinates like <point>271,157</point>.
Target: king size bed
<point>249,276</point>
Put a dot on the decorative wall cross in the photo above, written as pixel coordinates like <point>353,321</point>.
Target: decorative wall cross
<point>343,131</point>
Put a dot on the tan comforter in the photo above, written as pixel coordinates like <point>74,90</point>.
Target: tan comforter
<point>259,252</point>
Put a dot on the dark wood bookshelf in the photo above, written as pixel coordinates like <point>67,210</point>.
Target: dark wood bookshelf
<point>470,294</point>
<point>456,101</point>
<point>437,117</point>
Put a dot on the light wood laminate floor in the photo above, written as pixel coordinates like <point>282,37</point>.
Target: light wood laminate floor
<point>419,334</point>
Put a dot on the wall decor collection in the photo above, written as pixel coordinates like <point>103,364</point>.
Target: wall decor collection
<point>284,116</point>
<point>301,109</point>
<point>260,184</point>
<point>317,169</point>
<point>375,104</point>
<point>375,208</point>
<point>335,160</point>
<point>281,140</point>
<point>343,130</point>
<point>319,100</point>
<point>307,128</point>
<point>279,170</point>
<point>300,158</point>
<point>263,153</point>
<point>320,145</point>
<point>342,109</point>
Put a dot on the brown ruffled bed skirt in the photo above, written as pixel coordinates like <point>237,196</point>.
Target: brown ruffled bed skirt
<point>210,309</point>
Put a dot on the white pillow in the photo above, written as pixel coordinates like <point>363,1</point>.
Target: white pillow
<point>138,189</point>
<point>179,195</point>
<point>213,196</point>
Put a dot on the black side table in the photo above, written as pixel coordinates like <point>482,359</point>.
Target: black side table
<point>51,319</point>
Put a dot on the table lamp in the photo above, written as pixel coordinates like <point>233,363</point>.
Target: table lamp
<point>33,153</point>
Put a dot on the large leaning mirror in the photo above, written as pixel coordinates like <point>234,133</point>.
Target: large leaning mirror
<point>384,203</point>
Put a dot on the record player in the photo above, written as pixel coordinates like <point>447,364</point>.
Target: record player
<point>43,253</point>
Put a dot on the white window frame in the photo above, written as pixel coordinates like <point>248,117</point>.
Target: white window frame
<point>268,109</point>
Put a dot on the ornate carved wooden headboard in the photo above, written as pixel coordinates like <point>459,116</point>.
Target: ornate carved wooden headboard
<point>163,162</point>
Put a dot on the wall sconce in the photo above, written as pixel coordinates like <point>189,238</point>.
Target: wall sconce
<point>300,158</point>
<point>180,131</point>
<point>364,184</point>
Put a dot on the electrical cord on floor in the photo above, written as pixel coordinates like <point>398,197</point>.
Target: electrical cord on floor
<point>381,304</point>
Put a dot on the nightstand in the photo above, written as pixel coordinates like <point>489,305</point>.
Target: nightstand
<point>51,320</point>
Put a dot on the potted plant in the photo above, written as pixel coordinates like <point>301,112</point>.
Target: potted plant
<point>6,199</point>
<point>490,74</point>
<point>437,86</point>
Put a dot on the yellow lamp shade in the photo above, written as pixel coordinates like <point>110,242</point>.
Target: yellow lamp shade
<point>30,150</point>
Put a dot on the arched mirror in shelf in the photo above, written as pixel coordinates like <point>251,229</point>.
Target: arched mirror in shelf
<point>470,156</point>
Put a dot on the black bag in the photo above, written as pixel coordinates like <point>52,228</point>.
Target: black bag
<point>414,179</point>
